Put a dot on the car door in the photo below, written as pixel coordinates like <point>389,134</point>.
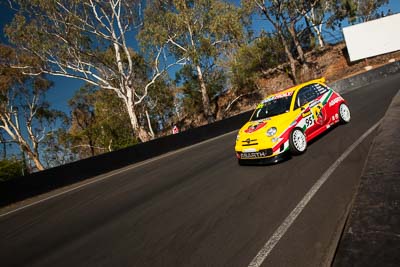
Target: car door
<point>307,101</point>
<point>319,110</point>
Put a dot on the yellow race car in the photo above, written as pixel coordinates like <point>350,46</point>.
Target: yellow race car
<point>284,122</point>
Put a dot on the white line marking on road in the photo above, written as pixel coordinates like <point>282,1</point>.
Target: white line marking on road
<point>112,173</point>
<point>280,232</point>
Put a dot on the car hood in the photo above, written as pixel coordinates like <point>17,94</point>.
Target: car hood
<point>257,129</point>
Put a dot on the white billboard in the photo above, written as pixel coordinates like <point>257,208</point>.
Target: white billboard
<point>373,38</point>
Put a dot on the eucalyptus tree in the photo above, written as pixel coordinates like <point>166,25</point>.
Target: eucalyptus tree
<point>57,148</point>
<point>11,168</point>
<point>366,10</point>
<point>291,17</point>
<point>82,133</point>
<point>25,117</point>
<point>200,31</point>
<point>98,123</point>
<point>273,11</point>
<point>3,145</point>
<point>317,13</point>
<point>89,40</point>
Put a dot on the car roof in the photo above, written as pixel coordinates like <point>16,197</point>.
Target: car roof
<point>297,87</point>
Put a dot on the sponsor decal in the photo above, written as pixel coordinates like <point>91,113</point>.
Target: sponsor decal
<point>286,94</point>
<point>246,150</point>
<point>306,114</point>
<point>314,103</point>
<point>254,155</point>
<point>335,101</point>
<point>255,127</point>
<point>326,97</point>
<point>309,121</point>
<point>249,142</point>
<point>277,96</point>
<point>320,115</point>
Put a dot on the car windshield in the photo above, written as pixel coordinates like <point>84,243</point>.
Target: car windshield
<point>271,107</point>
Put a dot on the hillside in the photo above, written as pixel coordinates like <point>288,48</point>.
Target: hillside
<point>331,62</point>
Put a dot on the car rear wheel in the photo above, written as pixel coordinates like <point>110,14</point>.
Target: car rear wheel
<point>344,113</point>
<point>297,141</point>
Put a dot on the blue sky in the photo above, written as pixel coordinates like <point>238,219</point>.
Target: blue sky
<point>64,88</point>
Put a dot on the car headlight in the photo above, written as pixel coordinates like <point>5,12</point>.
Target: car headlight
<point>237,137</point>
<point>271,131</point>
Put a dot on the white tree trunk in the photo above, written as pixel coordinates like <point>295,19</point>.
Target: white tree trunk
<point>204,95</point>
<point>151,133</point>
<point>139,131</point>
<point>13,130</point>
<point>318,31</point>
<point>317,28</point>
<point>36,160</point>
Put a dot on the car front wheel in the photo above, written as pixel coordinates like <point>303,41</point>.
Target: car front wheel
<point>297,141</point>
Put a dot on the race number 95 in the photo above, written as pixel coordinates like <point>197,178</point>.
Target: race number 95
<point>309,121</point>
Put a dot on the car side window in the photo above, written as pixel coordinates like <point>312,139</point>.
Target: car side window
<point>309,93</point>
<point>305,95</point>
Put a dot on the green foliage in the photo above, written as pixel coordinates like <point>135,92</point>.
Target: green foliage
<point>57,148</point>
<point>194,25</point>
<point>99,123</point>
<point>354,11</point>
<point>25,116</point>
<point>54,29</point>
<point>161,105</point>
<point>251,60</point>
<point>89,41</point>
<point>203,33</point>
<point>367,9</point>
<point>112,122</point>
<point>190,87</point>
<point>11,168</point>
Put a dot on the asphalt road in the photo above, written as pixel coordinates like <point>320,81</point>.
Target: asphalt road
<point>198,207</point>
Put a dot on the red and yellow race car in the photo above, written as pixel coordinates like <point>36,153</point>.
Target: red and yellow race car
<point>284,122</point>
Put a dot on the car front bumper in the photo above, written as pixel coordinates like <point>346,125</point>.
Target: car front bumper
<point>265,161</point>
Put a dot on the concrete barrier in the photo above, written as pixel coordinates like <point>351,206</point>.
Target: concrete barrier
<point>371,235</point>
<point>50,179</point>
<point>45,181</point>
<point>363,79</point>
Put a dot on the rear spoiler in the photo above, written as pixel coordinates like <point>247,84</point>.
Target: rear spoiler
<point>321,80</point>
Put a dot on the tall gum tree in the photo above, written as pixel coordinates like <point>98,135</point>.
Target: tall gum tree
<point>76,39</point>
<point>200,31</point>
<point>97,123</point>
<point>25,117</point>
<point>291,18</point>
<point>273,12</point>
<point>317,13</point>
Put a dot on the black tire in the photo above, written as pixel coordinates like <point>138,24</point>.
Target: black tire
<point>344,113</point>
<point>297,142</point>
